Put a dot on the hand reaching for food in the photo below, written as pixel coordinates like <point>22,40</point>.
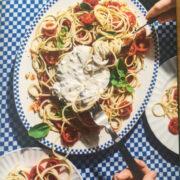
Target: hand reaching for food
<point>127,175</point>
<point>165,10</point>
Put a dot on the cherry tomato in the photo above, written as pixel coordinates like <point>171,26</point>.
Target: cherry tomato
<point>142,45</point>
<point>115,4</point>
<point>173,126</point>
<point>33,172</point>
<point>87,18</point>
<point>70,135</point>
<point>81,34</point>
<point>132,51</point>
<point>51,58</point>
<point>49,28</point>
<point>131,17</point>
<point>93,3</point>
<point>51,162</point>
<point>141,34</point>
<point>67,23</point>
<point>125,111</point>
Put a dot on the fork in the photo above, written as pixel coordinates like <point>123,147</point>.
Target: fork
<point>101,119</point>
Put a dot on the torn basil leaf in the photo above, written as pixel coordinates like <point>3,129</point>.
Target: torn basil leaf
<point>39,131</point>
<point>88,27</point>
<point>85,6</point>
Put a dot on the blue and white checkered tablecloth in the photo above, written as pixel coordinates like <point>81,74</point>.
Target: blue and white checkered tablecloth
<point>15,16</point>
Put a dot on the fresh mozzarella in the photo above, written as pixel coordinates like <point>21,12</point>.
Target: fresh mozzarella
<point>74,82</point>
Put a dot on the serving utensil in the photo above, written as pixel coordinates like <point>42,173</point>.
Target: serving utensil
<point>101,120</point>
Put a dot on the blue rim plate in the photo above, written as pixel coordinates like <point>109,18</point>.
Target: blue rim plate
<point>149,80</point>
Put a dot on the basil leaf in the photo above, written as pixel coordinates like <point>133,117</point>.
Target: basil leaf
<point>64,29</point>
<point>114,82</point>
<point>59,113</point>
<point>129,88</point>
<point>85,6</point>
<point>59,43</point>
<point>111,32</point>
<point>39,131</point>
<point>114,75</point>
<point>121,66</point>
<point>121,74</point>
<point>88,27</point>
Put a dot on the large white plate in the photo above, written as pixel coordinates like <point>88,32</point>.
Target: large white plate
<point>159,125</point>
<point>147,78</point>
<point>26,158</point>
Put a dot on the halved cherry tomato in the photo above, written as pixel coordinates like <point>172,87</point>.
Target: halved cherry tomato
<point>133,49</point>
<point>93,3</point>
<point>49,28</point>
<point>141,34</point>
<point>125,111</point>
<point>115,4</point>
<point>33,172</point>
<point>67,23</point>
<point>87,18</point>
<point>70,135</point>
<point>173,126</point>
<point>81,34</point>
<point>142,45</point>
<point>51,162</point>
<point>131,17</point>
<point>51,58</point>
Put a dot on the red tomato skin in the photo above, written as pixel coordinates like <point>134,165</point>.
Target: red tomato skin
<point>87,18</point>
<point>70,136</point>
<point>115,4</point>
<point>131,17</point>
<point>173,126</point>
<point>125,112</point>
<point>133,49</point>
<point>142,46</point>
<point>93,3</point>
<point>67,23</point>
<point>33,172</point>
<point>50,58</point>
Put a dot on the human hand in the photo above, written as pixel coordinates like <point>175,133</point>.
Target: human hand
<point>164,9</point>
<point>127,175</point>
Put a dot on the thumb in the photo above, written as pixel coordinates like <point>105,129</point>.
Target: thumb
<point>150,176</point>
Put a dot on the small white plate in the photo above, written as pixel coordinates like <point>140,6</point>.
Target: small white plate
<point>26,158</point>
<point>159,125</point>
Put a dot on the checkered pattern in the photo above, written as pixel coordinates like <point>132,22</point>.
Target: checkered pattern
<point>16,15</point>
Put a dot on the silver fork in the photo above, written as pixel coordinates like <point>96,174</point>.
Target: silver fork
<point>101,119</point>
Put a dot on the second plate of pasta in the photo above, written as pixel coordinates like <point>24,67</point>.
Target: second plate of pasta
<point>162,110</point>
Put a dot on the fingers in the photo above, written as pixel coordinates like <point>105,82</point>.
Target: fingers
<point>124,175</point>
<point>160,7</point>
<point>142,166</point>
<point>170,15</point>
<point>150,176</point>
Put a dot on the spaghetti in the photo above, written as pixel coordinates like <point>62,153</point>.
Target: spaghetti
<point>54,167</point>
<point>169,108</point>
<point>107,28</point>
